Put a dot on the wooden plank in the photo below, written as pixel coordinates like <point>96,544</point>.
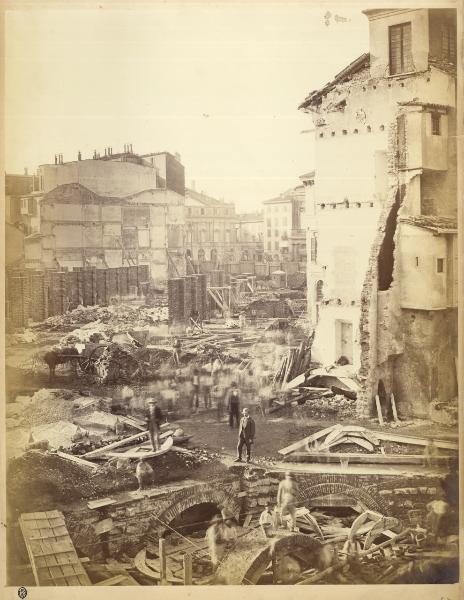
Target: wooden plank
<point>247,520</point>
<point>308,439</point>
<point>77,460</point>
<point>393,405</point>
<point>327,457</point>
<point>116,580</point>
<point>187,569</point>
<point>92,504</point>
<point>113,445</point>
<point>294,382</point>
<point>379,410</point>
<point>352,440</point>
<point>416,441</point>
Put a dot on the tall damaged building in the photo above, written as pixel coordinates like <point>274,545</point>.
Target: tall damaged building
<point>117,210</point>
<point>382,214</point>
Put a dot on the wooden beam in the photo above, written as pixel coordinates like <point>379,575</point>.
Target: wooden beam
<point>162,558</point>
<point>308,439</point>
<point>77,460</point>
<point>116,580</point>
<point>379,410</point>
<point>393,405</point>
<point>113,445</point>
<point>381,459</point>
<point>416,441</point>
<point>187,569</point>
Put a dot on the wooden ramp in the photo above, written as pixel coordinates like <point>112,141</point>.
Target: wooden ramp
<point>52,554</point>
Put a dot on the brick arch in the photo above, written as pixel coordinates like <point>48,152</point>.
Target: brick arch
<point>186,499</point>
<point>368,500</point>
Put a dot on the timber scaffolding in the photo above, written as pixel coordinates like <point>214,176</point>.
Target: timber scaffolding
<point>199,295</point>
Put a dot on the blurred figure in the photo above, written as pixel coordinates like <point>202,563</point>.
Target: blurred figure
<point>144,474</point>
<point>287,497</point>
<point>214,537</point>
<point>196,388</point>
<point>233,405</point>
<point>438,510</point>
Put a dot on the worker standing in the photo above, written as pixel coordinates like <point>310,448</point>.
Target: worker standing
<point>266,521</point>
<point>196,388</point>
<point>287,497</point>
<point>154,420</point>
<point>144,473</point>
<point>177,347</point>
<point>207,385</point>
<point>233,404</point>
<point>246,435</point>
<point>215,541</point>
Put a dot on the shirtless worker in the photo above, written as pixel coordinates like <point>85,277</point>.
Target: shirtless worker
<point>287,497</point>
<point>154,420</point>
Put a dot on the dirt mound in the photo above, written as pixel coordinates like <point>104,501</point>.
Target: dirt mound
<point>40,480</point>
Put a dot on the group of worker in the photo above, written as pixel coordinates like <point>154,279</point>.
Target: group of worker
<point>223,530</point>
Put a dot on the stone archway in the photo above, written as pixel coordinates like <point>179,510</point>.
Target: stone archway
<point>368,500</point>
<point>186,499</point>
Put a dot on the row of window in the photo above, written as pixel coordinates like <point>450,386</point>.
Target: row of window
<point>222,212</point>
<point>345,131</point>
<point>345,204</point>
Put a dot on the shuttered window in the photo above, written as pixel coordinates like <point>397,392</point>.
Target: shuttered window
<point>400,49</point>
<point>448,43</point>
<point>313,249</point>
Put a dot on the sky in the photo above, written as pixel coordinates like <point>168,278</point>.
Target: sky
<point>218,83</point>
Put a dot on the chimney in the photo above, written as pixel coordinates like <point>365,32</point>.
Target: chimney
<point>131,151</point>
<point>105,151</point>
<point>25,171</point>
<point>94,154</point>
<point>79,155</point>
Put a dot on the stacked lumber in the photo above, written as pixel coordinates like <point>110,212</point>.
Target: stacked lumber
<point>294,364</point>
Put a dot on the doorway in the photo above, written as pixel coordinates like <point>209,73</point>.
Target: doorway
<point>344,341</point>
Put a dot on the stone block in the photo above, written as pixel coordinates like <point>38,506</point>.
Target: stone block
<point>262,501</point>
<point>252,502</point>
<point>432,491</point>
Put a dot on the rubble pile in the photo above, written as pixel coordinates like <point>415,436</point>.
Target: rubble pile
<point>120,315</point>
<point>45,406</point>
<point>337,406</point>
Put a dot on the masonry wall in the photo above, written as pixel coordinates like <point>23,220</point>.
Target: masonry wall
<point>134,520</point>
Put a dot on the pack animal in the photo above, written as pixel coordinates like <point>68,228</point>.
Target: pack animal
<point>61,356</point>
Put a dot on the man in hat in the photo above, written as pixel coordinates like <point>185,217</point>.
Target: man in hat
<point>154,420</point>
<point>246,435</point>
<point>287,497</point>
<point>266,521</point>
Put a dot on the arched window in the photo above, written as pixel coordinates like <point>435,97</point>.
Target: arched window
<point>319,290</point>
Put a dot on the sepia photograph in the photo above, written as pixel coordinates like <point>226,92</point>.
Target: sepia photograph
<point>231,290</point>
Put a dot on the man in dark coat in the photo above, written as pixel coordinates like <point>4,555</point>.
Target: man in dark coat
<point>246,435</point>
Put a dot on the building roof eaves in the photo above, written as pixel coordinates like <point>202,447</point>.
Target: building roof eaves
<point>354,67</point>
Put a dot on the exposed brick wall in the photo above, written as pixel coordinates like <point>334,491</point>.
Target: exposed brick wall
<point>136,516</point>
